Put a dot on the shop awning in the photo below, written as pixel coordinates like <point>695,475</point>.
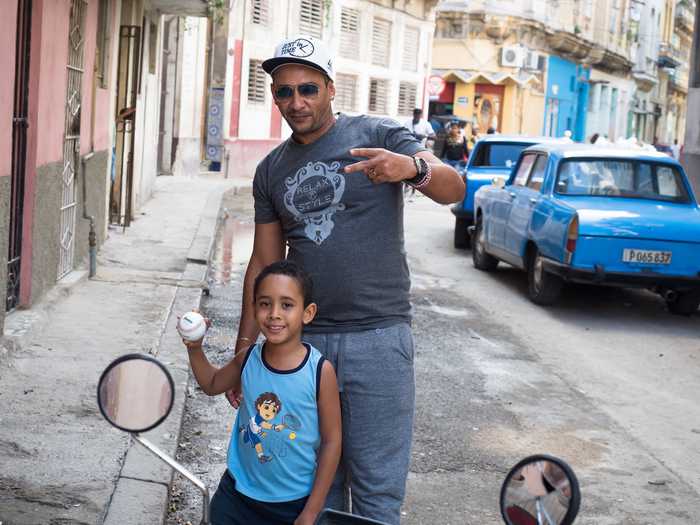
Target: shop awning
<point>467,76</point>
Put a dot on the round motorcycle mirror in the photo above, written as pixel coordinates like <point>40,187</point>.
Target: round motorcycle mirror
<point>135,393</point>
<point>540,490</point>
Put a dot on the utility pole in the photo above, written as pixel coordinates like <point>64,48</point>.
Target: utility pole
<point>691,148</point>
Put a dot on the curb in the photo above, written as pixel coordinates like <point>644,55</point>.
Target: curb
<point>143,486</point>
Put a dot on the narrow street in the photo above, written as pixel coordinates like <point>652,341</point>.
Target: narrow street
<point>606,380</point>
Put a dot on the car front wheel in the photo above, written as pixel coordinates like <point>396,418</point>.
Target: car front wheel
<point>461,233</point>
<point>482,260</point>
<point>544,288</point>
<point>685,303</point>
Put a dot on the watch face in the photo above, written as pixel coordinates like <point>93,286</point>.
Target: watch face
<point>421,165</point>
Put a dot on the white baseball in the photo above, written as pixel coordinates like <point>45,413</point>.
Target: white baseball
<point>192,326</point>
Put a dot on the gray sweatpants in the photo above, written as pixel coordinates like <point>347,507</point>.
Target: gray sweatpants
<point>377,395</point>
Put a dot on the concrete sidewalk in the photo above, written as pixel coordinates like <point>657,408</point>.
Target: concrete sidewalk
<point>61,461</point>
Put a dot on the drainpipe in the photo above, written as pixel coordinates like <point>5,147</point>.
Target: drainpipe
<point>92,236</point>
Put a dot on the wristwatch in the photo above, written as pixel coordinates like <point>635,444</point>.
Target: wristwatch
<point>423,173</point>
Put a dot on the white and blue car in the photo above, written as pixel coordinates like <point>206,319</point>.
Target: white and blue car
<point>594,214</point>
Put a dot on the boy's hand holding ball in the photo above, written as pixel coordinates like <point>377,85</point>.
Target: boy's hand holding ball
<point>192,327</point>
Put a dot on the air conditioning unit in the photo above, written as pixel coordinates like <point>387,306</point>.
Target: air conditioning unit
<point>512,56</point>
<point>534,61</point>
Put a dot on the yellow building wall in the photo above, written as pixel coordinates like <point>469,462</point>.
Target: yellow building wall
<point>509,117</point>
<point>458,54</point>
<point>533,113</point>
<point>523,109</point>
<point>464,110</point>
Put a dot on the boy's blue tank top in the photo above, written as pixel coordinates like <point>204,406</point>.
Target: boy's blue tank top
<point>276,465</point>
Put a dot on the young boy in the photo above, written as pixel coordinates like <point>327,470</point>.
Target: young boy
<point>286,442</point>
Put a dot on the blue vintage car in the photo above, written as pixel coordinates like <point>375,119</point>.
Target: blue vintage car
<point>492,156</point>
<point>593,214</point>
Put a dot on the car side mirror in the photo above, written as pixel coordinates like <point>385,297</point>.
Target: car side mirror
<point>498,182</point>
<point>135,393</point>
<point>541,490</point>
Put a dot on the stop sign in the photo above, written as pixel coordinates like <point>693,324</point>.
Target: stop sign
<point>436,85</point>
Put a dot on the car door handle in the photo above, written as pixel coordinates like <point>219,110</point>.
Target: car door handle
<point>512,194</point>
<point>533,200</point>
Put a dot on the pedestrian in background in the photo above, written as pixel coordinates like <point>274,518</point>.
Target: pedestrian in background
<point>332,195</point>
<point>676,150</point>
<point>420,127</point>
<point>455,150</point>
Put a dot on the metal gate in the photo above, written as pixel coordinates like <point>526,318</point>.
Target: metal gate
<point>127,85</point>
<point>20,123</point>
<point>71,140</point>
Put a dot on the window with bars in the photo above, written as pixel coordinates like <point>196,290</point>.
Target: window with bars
<point>345,92</point>
<point>349,33</point>
<point>411,44</point>
<point>381,42</point>
<point>256,82</point>
<point>260,12</point>
<point>378,94</point>
<point>311,17</point>
<point>407,98</point>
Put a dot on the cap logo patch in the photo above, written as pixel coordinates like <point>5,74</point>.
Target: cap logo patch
<point>299,48</point>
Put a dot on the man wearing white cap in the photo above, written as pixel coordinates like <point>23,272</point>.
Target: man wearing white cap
<point>332,194</point>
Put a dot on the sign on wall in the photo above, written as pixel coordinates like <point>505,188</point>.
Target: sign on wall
<point>215,122</point>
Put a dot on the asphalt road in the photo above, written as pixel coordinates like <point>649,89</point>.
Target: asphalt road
<point>606,380</point>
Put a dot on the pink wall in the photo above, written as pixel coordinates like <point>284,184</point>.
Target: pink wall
<point>52,78</point>
<point>8,33</point>
<point>244,155</point>
<point>103,119</point>
<point>236,88</point>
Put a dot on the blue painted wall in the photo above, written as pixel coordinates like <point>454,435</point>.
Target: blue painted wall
<point>567,98</point>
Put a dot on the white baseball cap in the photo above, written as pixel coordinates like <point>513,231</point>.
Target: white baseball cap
<point>301,49</point>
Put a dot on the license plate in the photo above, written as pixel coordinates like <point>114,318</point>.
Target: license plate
<point>631,255</point>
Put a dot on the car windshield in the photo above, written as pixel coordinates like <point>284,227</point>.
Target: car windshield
<point>497,155</point>
<point>621,178</point>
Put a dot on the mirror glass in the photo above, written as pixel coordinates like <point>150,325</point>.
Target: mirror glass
<point>135,393</point>
<point>540,491</point>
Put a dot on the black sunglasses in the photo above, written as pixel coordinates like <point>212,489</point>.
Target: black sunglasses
<point>304,90</point>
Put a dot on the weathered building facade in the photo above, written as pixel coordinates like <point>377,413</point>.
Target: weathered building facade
<point>382,59</point>
<point>81,95</point>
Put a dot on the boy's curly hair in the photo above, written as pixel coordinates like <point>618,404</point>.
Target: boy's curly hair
<point>290,269</point>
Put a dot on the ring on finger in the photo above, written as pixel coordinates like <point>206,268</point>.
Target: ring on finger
<point>371,172</point>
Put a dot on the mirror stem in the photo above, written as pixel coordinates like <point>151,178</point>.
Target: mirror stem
<point>182,470</point>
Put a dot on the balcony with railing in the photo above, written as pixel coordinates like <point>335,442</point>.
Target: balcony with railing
<point>669,56</point>
<point>685,16</point>
<point>184,7</point>
<point>646,73</point>
<point>678,81</point>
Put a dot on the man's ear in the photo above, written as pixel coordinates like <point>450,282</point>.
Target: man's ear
<point>309,313</point>
<point>331,89</point>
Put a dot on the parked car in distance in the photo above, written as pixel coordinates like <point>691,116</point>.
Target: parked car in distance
<point>594,214</point>
<point>492,156</point>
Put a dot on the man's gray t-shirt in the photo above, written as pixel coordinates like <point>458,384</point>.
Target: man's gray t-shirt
<point>344,230</point>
